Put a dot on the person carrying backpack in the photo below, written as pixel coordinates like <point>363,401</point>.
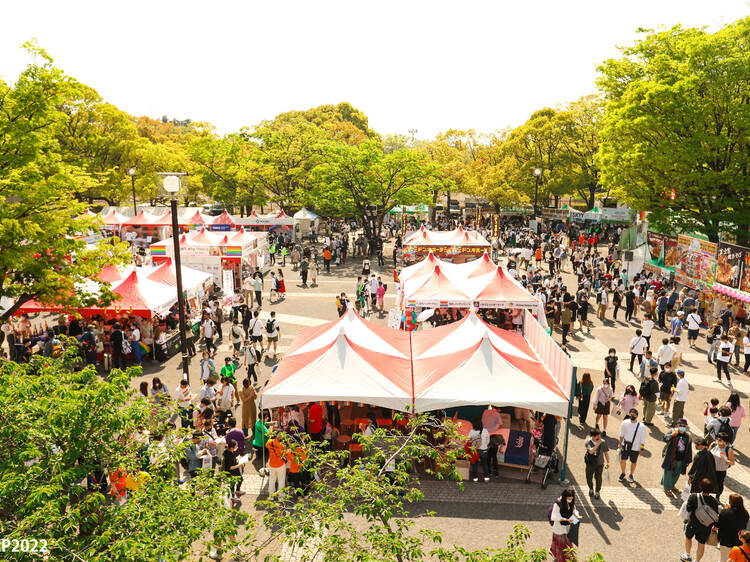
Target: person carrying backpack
<point>722,424</point>
<point>702,513</point>
<point>52,347</point>
<point>272,333</point>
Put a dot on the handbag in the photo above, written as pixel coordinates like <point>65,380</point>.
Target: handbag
<point>126,347</point>
<point>713,537</point>
<point>683,512</point>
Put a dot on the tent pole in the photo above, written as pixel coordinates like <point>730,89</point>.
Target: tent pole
<point>411,363</point>
<point>564,470</point>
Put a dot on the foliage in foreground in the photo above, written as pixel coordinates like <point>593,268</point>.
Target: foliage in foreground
<point>59,425</point>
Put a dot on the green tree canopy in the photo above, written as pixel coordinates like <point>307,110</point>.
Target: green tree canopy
<point>42,254</point>
<point>678,118</point>
<point>352,177</point>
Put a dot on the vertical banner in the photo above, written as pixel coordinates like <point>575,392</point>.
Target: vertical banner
<point>479,216</point>
<point>228,282</point>
<point>495,226</point>
<point>729,265</point>
<point>403,222</point>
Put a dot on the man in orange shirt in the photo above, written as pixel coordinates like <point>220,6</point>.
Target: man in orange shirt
<point>276,465</point>
<point>297,475</point>
<point>327,259</point>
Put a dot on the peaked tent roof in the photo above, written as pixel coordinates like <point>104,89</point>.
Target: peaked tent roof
<point>495,378</point>
<point>465,363</point>
<point>223,218</point>
<point>342,370</point>
<point>114,218</point>
<point>164,274</point>
<point>110,274</point>
<point>141,219</point>
<point>499,286</point>
<point>196,218</point>
<point>164,220</point>
<point>304,214</point>
<point>434,288</point>
<point>376,337</point>
<point>482,266</point>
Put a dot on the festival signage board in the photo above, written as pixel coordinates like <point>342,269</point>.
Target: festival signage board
<point>696,262</point>
<point>745,283</point>
<point>730,263</point>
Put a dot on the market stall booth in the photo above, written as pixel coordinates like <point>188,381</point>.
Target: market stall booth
<point>227,256</point>
<point>273,222</point>
<point>149,293</point>
<point>481,284</point>
<point>358,368</point>
<point>457,245</point>
<point>305,222</point>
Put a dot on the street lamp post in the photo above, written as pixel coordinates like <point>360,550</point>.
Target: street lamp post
<point>538,176</point>
<point>131,173</point>
<point>171,183</point>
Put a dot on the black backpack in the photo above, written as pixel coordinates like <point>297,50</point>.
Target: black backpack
<point>725,427</point>
<point>270,328</point>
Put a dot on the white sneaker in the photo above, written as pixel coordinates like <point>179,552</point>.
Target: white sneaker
<point>685,556</point>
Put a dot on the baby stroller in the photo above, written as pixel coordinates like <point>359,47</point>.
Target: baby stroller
<point>545,462</point>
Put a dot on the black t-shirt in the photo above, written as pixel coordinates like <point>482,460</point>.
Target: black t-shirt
<point>610,364</point>
<point>667,380</point>
<point>630,298</point>
<point>229,460</point>
<point>116,339</point>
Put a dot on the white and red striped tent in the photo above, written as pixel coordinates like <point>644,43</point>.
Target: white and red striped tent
<point>481,283</point>
<point>465,363</point>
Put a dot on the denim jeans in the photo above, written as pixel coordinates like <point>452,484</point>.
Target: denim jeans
<point>475,467</point>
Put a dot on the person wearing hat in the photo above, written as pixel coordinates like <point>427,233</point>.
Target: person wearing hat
<point>703,466</point>
<point>680,395</point>
<point>675,326</point>
<point>678,453</point>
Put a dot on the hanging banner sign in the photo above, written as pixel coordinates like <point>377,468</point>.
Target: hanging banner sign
<point>730,263</point>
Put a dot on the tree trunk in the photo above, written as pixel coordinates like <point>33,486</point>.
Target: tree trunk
<point>448,206</point>
<point>433,210</point>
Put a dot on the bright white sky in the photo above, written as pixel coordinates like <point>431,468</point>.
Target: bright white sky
<point>428,65</point>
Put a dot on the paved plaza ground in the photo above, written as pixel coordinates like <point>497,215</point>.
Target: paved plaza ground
<point>630,522</point>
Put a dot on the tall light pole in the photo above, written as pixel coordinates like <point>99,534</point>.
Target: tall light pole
<point>131,173</point>
<point>538,176</point>
<point>171,182</point>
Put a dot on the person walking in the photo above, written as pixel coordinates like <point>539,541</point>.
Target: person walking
<point>629,303</point>
<point>682,389</point>
<point>703,513</point>
<point>595,456</point>
<point>677,454</point>
<point>208,327</point>
<point>713,338</point>
<point>662,306</point>
<point>281,286</point>
<point>723,454</point>
<point>274,289</point>
<point>563,517</point>
<point>304,268</point>
<point>628,400</point>
<point>746,352</point>
<point>638,346</point>
<point>723,358</point>
<point>703,466</point>
<point>667,381</point>
<point>737,413</point>
<point>314,273</point>
<point>602,405</point>
<point>732,521</point>
<point>584,388</point>
<point>255,330</point>
<point>693,326</point>
<point>611,367</point>
<point>258,288</point>
<point>632,440</point>
<point>602,300</point>
<point>741,553</point>
<point>276,465</point>
<point>272,333</point>
<point>248,396</point>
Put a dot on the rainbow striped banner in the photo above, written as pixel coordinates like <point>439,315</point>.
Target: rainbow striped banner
<point>158,250</point>
<point>234,250</point>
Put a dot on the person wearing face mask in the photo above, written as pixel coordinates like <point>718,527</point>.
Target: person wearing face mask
<point>632,440</point>
<point>648,392</point>
<point>602,405</point>
<point>678,454</point>
<point>564,519</point>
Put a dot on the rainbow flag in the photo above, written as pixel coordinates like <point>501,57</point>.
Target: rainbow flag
<point>234,250</point>
<point>158,250</point>
<point>144,348</point>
